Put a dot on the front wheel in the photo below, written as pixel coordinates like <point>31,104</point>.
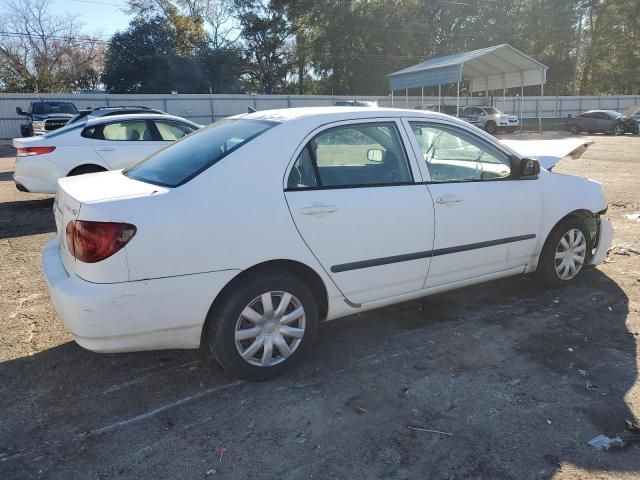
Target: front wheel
<point>565,253</point>
<point>573,128</point>
<point>491,128</point>
<point>261,330</point>
<point>619,129</point>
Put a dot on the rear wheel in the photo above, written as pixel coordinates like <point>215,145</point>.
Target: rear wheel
<point>261,330</point>
<point>82,169</point>
<point>565,253</point>
<point>491,127</point>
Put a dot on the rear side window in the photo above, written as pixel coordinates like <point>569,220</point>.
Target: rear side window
<point>190,156</point>
<point>127,131</point>
<point>351,156</point>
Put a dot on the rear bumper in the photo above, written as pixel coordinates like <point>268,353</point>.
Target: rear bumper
<point>132,316</point>
<point>605,241</point>
<point>37,174</point>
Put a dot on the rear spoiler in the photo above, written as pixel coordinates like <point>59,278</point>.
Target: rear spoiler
<point>549,152</point>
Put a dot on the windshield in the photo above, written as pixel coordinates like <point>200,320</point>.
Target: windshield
<point>492,111</point>
<point>45,108</point>
<point>613,115</point>
<point>180,162</point>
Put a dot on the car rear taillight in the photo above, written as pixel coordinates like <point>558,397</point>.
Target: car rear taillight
<point>91,242</point>
<point>28,151</point>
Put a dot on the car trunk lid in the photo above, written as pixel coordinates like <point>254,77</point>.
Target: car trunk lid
<point>74,193</point>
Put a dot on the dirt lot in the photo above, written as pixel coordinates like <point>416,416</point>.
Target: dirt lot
<point>500,369</point>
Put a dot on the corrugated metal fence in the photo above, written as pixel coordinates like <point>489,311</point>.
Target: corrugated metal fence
<point>206,108</point>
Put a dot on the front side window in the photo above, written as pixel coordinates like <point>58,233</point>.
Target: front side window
<point>188,157</point>
<point>352,155</point>
<point>453,155</point>
<point>129,131</point>
<point>170,131</point>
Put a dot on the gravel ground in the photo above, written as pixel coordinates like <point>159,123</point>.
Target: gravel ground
<point>497,373</point>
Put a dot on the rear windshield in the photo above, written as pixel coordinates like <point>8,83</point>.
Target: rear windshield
<point>181,161</point>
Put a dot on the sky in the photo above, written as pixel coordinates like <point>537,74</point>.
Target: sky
<point>99,17</point>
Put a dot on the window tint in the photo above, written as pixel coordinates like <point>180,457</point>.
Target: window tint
<point>45,108</point>
<point>303,174</point>
<point>352,155</point>
<point>453,155</point>
<point>181,161</point>
<point>134,130</point>
<point>170,131</point>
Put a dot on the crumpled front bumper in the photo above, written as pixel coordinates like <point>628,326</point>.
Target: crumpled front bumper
<point>605,240</point>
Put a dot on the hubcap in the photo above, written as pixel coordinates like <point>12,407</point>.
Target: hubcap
<point>270,329</point>
<point>570,254</point>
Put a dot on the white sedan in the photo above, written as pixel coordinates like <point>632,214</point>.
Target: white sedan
<point>242,237</point>
<point>93,145</point>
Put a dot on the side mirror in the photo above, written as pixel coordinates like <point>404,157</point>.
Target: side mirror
<point>417,131</point>
<point>529,169</point>
<point>374,155</point>
<point>20,112</point>
<point>569,116</point>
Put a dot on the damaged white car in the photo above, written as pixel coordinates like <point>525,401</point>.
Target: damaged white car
<point>243,236</point>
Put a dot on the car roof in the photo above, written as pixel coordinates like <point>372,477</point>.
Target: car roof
<point>338,113</point>
<point>133,116</point>
<point>602,111</point>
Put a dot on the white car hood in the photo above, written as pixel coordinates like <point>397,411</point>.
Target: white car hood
<point>548,152</point>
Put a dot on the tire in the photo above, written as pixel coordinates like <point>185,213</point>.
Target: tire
<point>573,129</point>
<point>82,169</point>
<point>619,129</point>
<point>226,319</point>
<point>550,271</point>
<point>491,127</point>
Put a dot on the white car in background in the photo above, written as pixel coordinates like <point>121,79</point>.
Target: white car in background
<point>491,119</point>
<point>242,237</point>
<point>93,145</point>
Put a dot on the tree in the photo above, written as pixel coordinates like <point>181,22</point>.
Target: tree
<point>145,59</point>
<point>43,52</point>
<point>268,49</point>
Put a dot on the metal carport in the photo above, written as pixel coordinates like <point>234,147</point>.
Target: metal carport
<point>487,69</point>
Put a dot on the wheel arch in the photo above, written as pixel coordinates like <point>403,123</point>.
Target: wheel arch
<point>293,267</point>
<point>86,165</point>
<point>583,214</point>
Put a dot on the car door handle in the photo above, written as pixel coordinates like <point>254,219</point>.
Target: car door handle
<point>105,149</point>
<point>319,210</point>
<point>449,199</point>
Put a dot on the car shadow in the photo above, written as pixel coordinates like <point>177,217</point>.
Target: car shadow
<point>484,382</point>
<point>26,217</point>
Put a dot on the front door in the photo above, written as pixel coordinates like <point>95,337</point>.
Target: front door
<point>352,195</point>
<point>486,222</point>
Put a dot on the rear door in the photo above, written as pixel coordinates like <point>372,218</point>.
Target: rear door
<point>121,143</point>
<point>352,195</point>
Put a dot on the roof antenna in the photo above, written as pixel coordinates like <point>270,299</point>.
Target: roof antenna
<point>251,110</point>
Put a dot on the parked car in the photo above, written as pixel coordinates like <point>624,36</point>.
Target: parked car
<point>242,237</point>
<point>92,145</point>
<point>451,110</point>
<point>113,110</point>
<point>356,103</point>
<point>602,121</point>
<point>492,120</point>
<point>43,117</point>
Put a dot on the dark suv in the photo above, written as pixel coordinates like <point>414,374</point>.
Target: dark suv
<point>44,117</point>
